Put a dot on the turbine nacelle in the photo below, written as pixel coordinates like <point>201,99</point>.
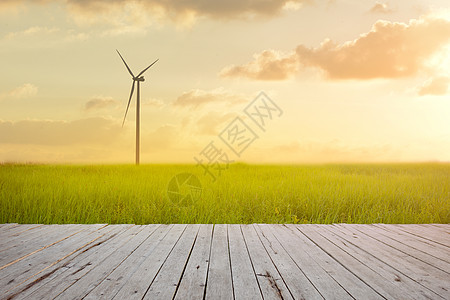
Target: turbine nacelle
<point>139,78</point>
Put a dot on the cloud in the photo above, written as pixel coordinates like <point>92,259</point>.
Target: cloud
<point>49,132</point>
<point>143,13</point>
<point>100,102</point>
<point>119,17</point>
<point>388,50</point>
<point>32,31</point>
<point>44,36</point>
<point>10,5</point>
<point>435,86</point>
<point>197,98</point>
<point>268,65</point>
<point>177,10</point>
<point>26,90</point>
<point>381,8</point>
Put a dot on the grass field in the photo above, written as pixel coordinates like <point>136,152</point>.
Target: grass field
<point>351,193</point>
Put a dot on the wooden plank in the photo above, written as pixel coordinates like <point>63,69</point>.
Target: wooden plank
<point>408,249</point>
<point>7,227</point>
<point>427,233</point>
<point>115,281</point>
<point>428,276</point>
<point>245,283</point>
<point>47,236</point>
<point>326,284</point>
<point>270,282</point>
<point>19,240</point>
<point>255,261</point>
<point>193,282</point>
<point>105,263</point>
<point>375,273</point>
<point>352,284</point>
<point>55,279</point>
<point>168,278</point>
<point>219,282</point>
<point>298,284</point>
<point>66,235</point>
<point>14,274</point>
<point>138,284</point>
<point>25,237</point>
<point>443,227</point>
<point>17,230</point>
<point>434,249</point>
<point>42,232</point>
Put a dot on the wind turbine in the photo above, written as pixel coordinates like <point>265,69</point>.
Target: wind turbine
<point>137,79</point>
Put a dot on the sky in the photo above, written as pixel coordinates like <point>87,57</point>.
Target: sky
<point>273,81</point>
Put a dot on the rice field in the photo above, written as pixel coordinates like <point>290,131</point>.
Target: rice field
<point>329,193</point>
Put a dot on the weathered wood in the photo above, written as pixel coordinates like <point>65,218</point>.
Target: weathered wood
<point>17,230</point>
<point>193,283</point>
<point>408,249</point>
<point>224,261</point>
<point>39,240</point>
<point>27,236</point>
<point>298,284</point>
<point>381,277</point>
<point>444,227</point>
<point>427,233</point>
<point>346,279</point>
<point>428,276</point>
<point>115,281</point>
<point>7,227</point>
<point>219,282</point>
<point>52,281</point>
<point>138,284</point>
<point>63,236</point>
<point>326,284</point>
<point>270,282</point>
<point>166,281</point>
<point>21,271</point>
<point>106,262</point>
<point>432,248</point>
<point>245,283</point>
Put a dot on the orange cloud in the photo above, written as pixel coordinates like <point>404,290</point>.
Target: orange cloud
<point>435,86</point>
<point>380,8</point>
<point>389,50</point>
<point>143,12</point>
<point>26,90</point>
<point>173,8</point>
<point>197,98</point>
<point>268,65</point>
<point>100,102</point>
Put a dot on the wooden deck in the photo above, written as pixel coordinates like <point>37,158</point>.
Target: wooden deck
<point>181,261</point>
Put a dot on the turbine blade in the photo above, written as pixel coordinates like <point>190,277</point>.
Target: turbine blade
<point>147,68</point>
<point>129,101</point>
<point>128,68</point>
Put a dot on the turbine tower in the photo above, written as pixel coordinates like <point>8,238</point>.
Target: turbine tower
<point>137,79</point>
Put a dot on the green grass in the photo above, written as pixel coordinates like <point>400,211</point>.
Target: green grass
<point>351,193</point>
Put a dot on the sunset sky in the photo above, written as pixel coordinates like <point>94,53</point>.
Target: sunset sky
<point>357,81</point>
